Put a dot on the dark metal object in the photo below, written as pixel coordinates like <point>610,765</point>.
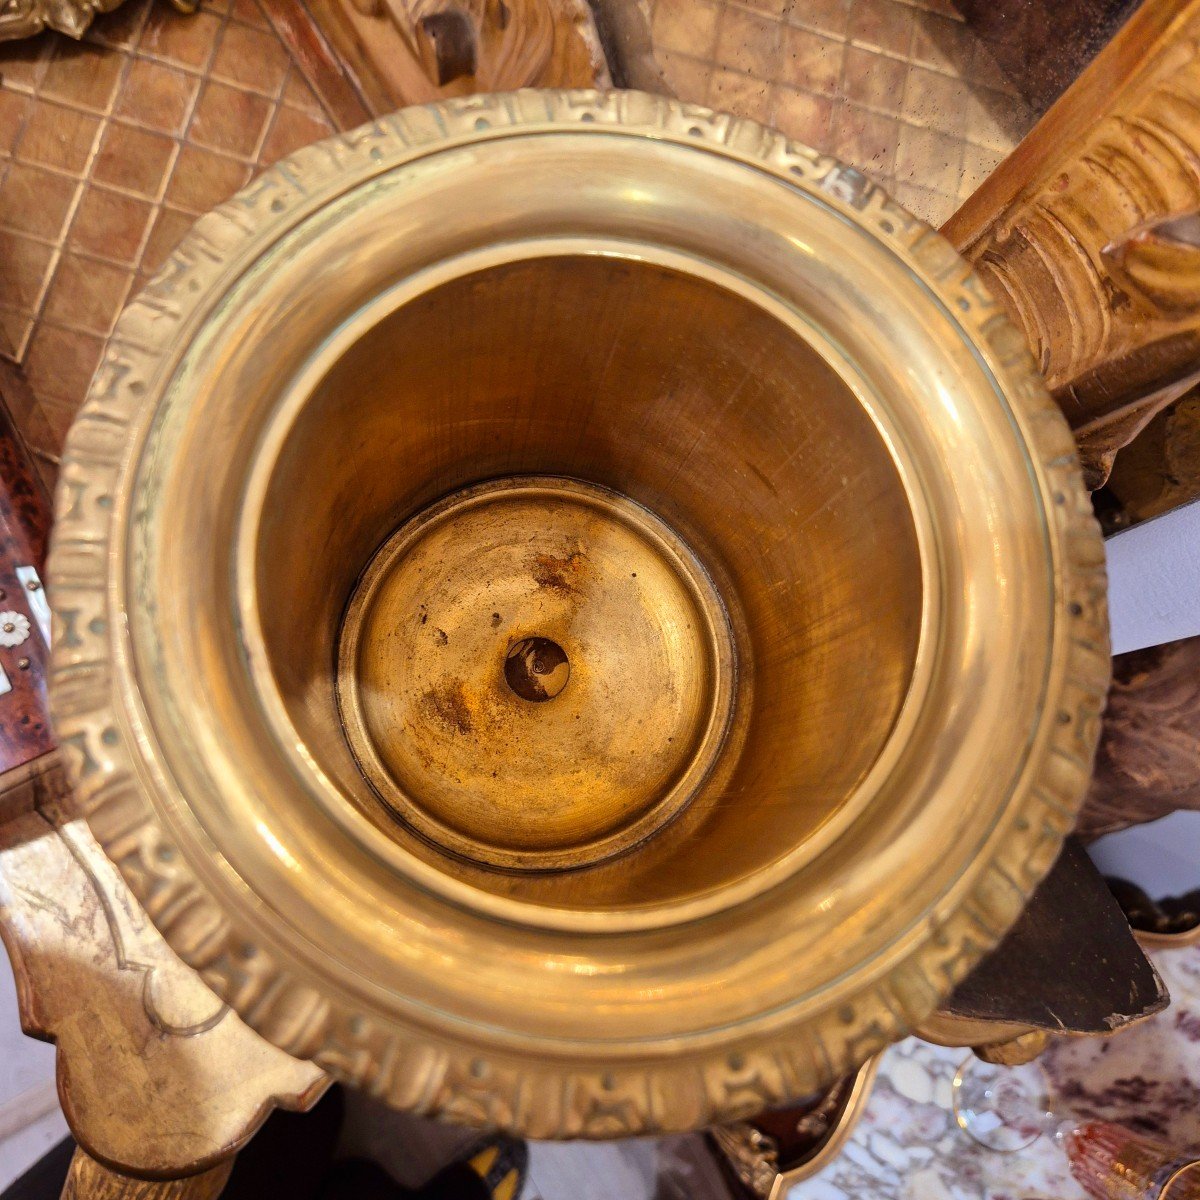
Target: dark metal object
<point>1070,964</point>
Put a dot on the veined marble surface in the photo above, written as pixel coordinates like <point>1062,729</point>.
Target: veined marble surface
<point>907,1145</point>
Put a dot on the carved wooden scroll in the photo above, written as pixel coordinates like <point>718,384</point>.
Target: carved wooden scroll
<point>1148,764</point>
<point>1160,469</point>
<point>415,51</point>
<point>1089,233</point>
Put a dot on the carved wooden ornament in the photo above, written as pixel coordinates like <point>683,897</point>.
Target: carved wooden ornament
<point>26,18</point>
<point>1087,233</point>
<point>414,51</point>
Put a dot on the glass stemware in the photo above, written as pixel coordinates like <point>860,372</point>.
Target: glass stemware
<point>1009,1108</point>
<point>1006,1108</point>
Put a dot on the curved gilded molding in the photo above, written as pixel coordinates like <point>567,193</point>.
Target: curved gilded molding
<point>430,1073</point>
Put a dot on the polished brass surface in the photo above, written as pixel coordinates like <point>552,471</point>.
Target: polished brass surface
<point>701,571</point>
<point>651,411</point>
<point>1017,1051</point>
<point>446,671</point>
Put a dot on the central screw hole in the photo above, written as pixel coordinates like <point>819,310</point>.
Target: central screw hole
<point>537,669</point>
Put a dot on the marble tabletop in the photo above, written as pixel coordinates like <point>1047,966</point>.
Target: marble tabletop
<point>907,1145</point>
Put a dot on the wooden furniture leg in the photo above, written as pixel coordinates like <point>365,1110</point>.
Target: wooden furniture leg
<point>90,1180</point>
<point>1089,232</point>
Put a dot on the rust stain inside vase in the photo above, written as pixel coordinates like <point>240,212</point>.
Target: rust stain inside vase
<point>536,673</point>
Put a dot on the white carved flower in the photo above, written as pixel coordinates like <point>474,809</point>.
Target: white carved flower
<point>14,628</point>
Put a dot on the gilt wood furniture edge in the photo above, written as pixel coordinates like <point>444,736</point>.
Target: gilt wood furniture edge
<point>88,1179</point>
<point>205,1082</point>
<point>454,1080</point>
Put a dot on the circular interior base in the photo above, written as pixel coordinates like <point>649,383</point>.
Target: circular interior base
<point>535,673</point>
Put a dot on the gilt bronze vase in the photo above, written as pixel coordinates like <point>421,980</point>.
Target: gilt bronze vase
<point>575,612</point>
